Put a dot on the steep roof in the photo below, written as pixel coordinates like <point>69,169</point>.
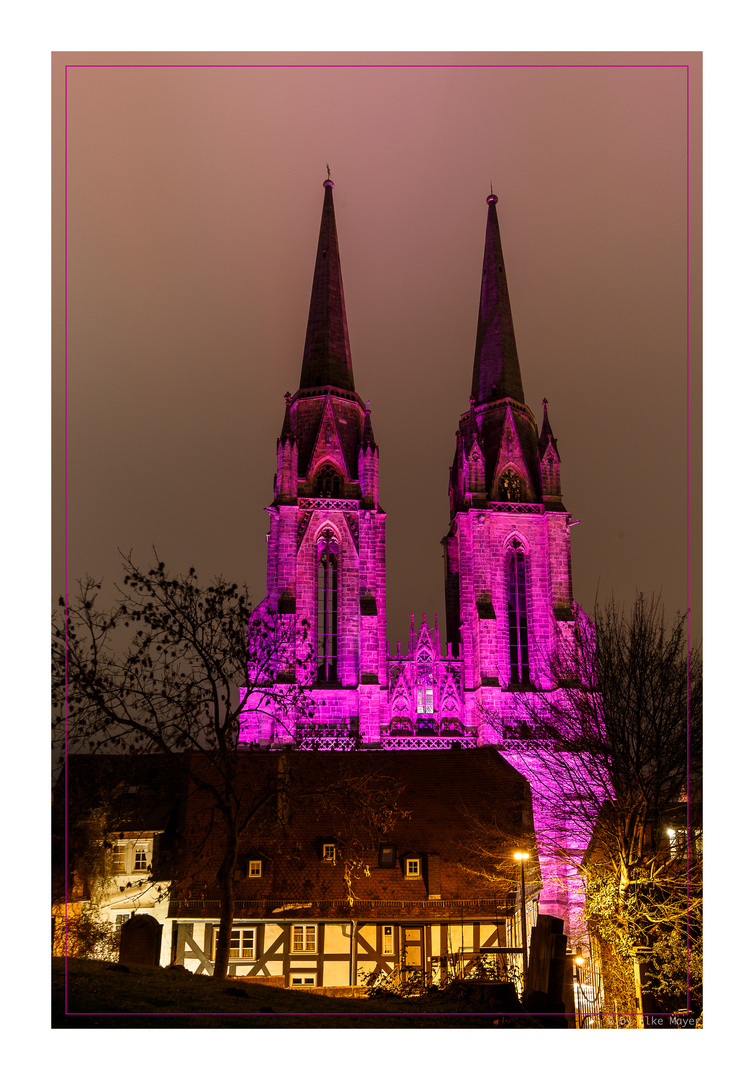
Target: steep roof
<point>426,802</point>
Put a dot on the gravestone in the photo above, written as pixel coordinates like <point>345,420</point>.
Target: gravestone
<point>140,939</point>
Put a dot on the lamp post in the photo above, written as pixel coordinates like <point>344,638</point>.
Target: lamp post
<point>579,959</point>
<point>521,857</point>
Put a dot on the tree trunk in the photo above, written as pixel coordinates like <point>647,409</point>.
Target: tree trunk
<point>227,896</point>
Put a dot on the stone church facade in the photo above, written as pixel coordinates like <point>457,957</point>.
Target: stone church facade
<point>508,592</point>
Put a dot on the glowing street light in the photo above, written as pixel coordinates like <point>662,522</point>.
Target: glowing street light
<point>521,857</point>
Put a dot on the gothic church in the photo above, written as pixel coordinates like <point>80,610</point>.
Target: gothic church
<point>508,592</point>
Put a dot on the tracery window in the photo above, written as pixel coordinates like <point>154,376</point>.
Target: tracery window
<point>328,483</point>
<point>327,608</point>
<point>511,488</point>
<point>518,628</point>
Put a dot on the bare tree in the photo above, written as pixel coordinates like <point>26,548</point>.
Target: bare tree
<point>613,750</point>
<point>171,668</point>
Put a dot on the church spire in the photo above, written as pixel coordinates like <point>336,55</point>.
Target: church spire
<point>327,353</point>
<point>496,370</point>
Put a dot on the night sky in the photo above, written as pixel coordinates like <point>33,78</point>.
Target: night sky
<point>193,206</point>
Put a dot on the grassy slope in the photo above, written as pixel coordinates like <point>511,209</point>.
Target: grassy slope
<point>95,992</point>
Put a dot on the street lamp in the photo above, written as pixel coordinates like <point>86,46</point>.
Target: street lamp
<point>579,961</point>
<point>521,857</point>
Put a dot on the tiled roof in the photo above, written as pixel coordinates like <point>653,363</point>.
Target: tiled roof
<point>420,801</point>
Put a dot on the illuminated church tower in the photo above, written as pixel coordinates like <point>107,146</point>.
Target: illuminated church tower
<point>509,603</point>
<point>326,545</point>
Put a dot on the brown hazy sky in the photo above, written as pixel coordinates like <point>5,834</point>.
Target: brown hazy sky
<point>193,201</point>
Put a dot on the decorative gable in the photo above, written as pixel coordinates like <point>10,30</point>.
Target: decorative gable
<point>328,462</point>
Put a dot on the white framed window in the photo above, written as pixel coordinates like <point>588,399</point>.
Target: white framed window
<point>131,856</point>
<point>242,942</point>
<point>388,940</point>
<point>255,868</point>
<point>413,868</point>
<point>303,980</point>
<point>304,938</point>
<point>328,853</point>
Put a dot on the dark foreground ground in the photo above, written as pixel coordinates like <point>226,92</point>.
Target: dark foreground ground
<point>99,994</point>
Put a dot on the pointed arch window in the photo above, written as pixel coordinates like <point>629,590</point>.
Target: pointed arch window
<point>511,488</point>
<point>518,626</point>
<point>327,608</point>
<point>328,483</point>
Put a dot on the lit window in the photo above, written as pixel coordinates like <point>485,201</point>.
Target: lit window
<point>510,486</point>
<point>413,868</point>
<point>131,857</point>
<point>328,853</point>
<point>304,939</point>
<point>255,868</point>
<point>241,943</point>
<point>388,940</point>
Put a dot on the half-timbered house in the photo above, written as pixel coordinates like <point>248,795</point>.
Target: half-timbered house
<point>373,863</point>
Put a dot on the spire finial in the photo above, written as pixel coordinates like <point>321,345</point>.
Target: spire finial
<point>328,170</point>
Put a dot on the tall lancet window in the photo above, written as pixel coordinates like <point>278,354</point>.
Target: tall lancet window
<point>518,627</point>
<point>327,608</point>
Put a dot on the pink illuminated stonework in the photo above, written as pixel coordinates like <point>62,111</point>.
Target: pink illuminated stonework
<point>509,602</point>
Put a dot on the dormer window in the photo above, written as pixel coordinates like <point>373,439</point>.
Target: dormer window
<point>413,866</point>
<point>255,868</point>
<point>131,856</point>
<point>328,852</point>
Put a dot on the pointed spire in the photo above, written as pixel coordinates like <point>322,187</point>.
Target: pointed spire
<point>327,353</point>
<point>496,369</point>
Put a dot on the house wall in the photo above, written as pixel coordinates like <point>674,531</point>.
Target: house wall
<point>447,949</point>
